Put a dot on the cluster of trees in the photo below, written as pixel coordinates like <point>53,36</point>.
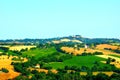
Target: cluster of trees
<point>97,53</point>
<point>22,50</point>
<point>100,40</point>
<point>70,44</point>
<point>86,54</point>
<point>4,70</point>
<point>4,49</point>
<point>17,59</point>
<point>107,48</point>
<point>74,68</point>
<point>58,48</point>
<point>116,50</point>
<point>47,45</point>
<point>96,67</point>
<point>110,60</point>
<point>55,57</point>
<point>62,75</point>
<point>15,52</point>
<point>23,67</point>
<point>32,62</point>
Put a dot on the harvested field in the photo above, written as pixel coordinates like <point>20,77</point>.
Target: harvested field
<point>75,51</point>
<point>87,50</point>
<point>106,52</point>
<point>10,75</point>
<point>5,62</point>
<point>102,46</point>
<point>95,73</point>
<point>18,48</point>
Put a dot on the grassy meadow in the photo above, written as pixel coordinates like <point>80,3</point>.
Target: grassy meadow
<point>77,61</point>
<point>40,52</point>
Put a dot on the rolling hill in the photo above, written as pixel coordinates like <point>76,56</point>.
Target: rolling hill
<point>75,38</point>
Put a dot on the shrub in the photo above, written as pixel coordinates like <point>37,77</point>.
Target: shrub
<point>4,70</point>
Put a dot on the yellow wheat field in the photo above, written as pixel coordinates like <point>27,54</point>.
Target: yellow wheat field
<point>5,62</point>
<point>76,51</point>
<point>18,48</point>
<point>102,46</point>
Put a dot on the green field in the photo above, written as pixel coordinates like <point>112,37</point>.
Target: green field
<point>78,61</point>
<point>39,52</point>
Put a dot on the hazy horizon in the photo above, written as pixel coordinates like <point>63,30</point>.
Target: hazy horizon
<point>20,19</point>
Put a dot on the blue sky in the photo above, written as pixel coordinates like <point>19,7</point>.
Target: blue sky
<point>52,18</point>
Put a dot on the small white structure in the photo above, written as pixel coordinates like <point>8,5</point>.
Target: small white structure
<point>37,66</point>
<point>75,46</point>
<point>86,46</point>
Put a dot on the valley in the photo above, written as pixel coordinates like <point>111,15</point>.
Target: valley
<point>70,57</point>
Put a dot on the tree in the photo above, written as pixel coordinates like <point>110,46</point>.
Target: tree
<point>84,68</point>
<point>4,70</point>
<point>20,77</point>
<point>115,76</point>
<point>113,60</point>
<point>4,49</point>
<point>67,68</point>
<point>41,75</point>
<point>97,53</point>
<point>89,75</point>
<point>96,63</point>
<point>34,71</point>
<point>102,76</point>
<point>84,54</point>
<point>22,50</point>
<point>108,61</point>
<point>94,68</point>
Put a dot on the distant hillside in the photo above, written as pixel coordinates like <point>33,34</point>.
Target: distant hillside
<point>73,39</point>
